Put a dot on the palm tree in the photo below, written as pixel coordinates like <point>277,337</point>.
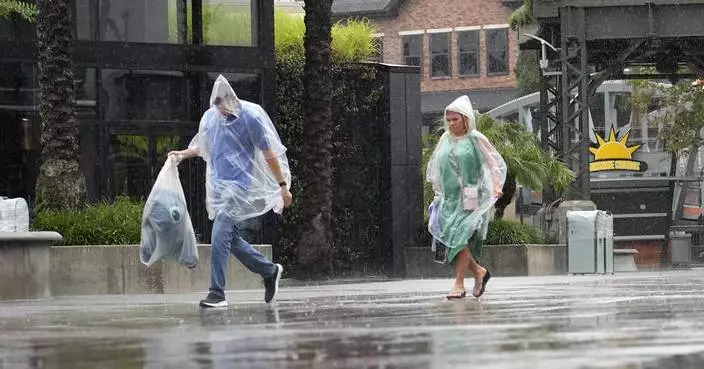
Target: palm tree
<point>528,164</point>
<point>60,184</point>
<point>25,10</point>
<point>314,244</point>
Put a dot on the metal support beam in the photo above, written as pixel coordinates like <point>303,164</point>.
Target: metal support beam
<point>550,128</point>
<point>575,100</point>
<point>615,67</point>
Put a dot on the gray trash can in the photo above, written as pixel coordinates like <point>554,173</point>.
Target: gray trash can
<point>590,242</point>
<point>680,248</point>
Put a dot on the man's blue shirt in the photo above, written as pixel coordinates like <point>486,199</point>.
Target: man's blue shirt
<point>233,143</point>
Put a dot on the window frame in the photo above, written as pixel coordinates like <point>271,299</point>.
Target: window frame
<point>419,56</point>
<point>476,52</point>
<point>433,54</point>
<point>489,50</point>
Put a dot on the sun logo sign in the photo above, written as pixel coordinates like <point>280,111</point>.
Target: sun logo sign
<point>615,154</point>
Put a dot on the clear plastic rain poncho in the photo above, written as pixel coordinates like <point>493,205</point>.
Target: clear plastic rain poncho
<point>462,167</point>
<point>167,232</point>
<point>235,138</point>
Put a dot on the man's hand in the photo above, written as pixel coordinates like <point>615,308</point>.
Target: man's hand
<point>183,154</point>
<point>176,155</point>
<point>286,196</point>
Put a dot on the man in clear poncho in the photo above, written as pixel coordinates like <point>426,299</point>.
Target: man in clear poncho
<point>467,174</point>
<point>247,175</point>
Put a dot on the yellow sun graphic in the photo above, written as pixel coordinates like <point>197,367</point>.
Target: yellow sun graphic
<point>613,149</point>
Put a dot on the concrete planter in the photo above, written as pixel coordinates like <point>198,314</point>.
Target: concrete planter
<point>502,260</point>
<point>94,270</point>
<point>25,264</point>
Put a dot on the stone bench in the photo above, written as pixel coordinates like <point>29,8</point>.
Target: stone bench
<point>625,261</point>
<point>25,265</point>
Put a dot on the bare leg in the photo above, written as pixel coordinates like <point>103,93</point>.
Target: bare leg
<point>461,265</point>
<point>463,261</point>
<point>478,272</point>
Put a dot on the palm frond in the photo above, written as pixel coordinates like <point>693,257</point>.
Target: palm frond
<point>525,158</point>
<point>25,10</point>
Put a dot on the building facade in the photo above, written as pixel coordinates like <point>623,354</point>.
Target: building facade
<point>462,46</point>
<point>144,69</point>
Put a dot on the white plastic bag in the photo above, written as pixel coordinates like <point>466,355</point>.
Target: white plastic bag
<point>167,232</point>
<point>14,215</point>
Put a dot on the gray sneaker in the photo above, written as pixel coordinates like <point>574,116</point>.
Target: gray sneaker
<point>213,301</point>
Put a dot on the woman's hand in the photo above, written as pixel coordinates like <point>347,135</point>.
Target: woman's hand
<point>499,193</point>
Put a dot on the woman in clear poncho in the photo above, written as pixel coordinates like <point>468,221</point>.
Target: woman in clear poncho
<point>467,174</point>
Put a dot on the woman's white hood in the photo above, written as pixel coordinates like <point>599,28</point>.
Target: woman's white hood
<point>463,106</point>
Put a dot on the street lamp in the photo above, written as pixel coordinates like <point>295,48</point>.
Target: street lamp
<point>543,54</point>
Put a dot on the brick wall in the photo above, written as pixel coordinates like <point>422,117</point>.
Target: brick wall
<point>437,14</point>
<point>649,252</point>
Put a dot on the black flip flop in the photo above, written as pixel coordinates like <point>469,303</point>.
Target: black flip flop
<point>486,278</point>
<point>457,297</point>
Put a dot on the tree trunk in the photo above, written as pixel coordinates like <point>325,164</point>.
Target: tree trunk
<point>314,245</point>
<point>509,191</point>
<point>60,185</point>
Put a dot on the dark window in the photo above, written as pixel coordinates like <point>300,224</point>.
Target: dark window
<point>143,95</point>
<point>468,53</point>
<point>440,55</point>
<point>413,50</point>
<point>497,51</point>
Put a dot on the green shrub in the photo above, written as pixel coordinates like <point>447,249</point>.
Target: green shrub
<point>352,40</point>
<point>508,232</point>
<point>356,157</point>
<point>117,223</point>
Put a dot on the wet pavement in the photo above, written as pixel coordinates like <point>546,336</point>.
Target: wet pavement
<point>631,321</point>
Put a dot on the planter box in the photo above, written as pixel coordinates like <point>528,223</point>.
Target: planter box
<point>95,270</point>
<point>25,263</point>
<point>502,260</point>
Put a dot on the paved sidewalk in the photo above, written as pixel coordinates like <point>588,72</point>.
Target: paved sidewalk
<point>641,320</point>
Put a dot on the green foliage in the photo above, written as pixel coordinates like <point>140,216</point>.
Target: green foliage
<point>521,16</point>
<point>527,72</point>
<point>507,232</point>
<point>288,36</point>
<point>532,166</point>
<point>28,11</point>
<point>117,223</point>
<point>682,112</point>
<point>352,39</point>
<point>357,198</point>
<point>229,25</point>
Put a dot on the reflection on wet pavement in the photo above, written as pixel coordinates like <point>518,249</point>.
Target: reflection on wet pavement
<point>644,320</point>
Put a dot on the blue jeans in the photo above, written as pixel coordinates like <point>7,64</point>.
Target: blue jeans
<point>226,239</point>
